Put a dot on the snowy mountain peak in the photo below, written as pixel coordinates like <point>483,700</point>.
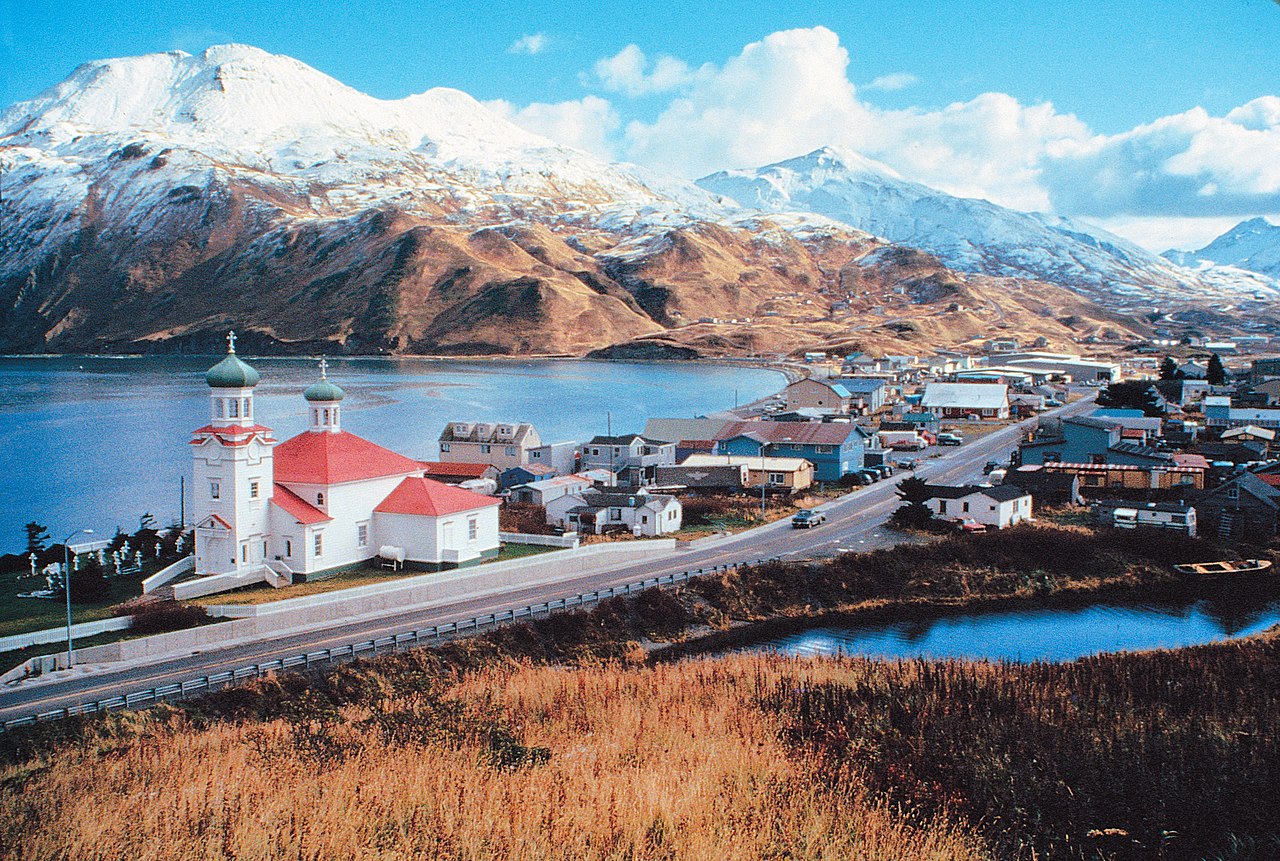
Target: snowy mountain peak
<point>1253,245</point>
<point>967,234</point>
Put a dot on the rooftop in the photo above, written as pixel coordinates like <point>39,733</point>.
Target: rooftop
<point>427,498</point>
<point>988,396</point>
<point>334,458</point>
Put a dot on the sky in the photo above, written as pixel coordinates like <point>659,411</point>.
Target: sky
<point>1157,119</point>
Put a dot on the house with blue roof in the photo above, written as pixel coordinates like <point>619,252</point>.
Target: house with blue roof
<point>866,394</point>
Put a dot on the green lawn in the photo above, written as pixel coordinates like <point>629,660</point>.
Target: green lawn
<point>363,575</point>
<point>34,614</point>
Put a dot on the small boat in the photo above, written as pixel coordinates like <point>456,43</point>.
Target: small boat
<point>1240,566</point>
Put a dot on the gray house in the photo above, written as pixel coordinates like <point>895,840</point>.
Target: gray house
<point>1246,506</point>
<point>633,458</point>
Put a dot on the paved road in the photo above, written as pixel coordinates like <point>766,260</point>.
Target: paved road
<point>854,522</point>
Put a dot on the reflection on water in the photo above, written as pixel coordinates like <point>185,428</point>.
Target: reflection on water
<point>95,441</point>
<point>1045,634</point>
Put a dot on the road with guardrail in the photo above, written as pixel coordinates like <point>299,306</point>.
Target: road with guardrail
<point>853,523</point>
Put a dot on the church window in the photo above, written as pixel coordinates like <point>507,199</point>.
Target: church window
<point>215,490</point>
<point>233,409</point>
<point>244,552</point>
<point>473,529</point>
<point>326,416</point>
<point>217,408</point>
<point>319,544</point>
<point>288,548</point>
<point>248,409</point>
<point>319,499</point>
<point>253,489</point>
<point>362,535</point>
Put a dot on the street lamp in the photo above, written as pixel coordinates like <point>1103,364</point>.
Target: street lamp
<point>66,586</point>
<point>764,475</point>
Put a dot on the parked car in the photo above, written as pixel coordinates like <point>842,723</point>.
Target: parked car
<point>950,439</point>
<point>990,465</point>
<point>967,525</point>
<point>868,476</point>
<point>807,519</point>
<point>907,463</point>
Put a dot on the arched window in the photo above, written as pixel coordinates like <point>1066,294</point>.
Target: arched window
<point>319,499</point>
<point>217,408</point>
<point>233,408</point>
<point>248,407</point>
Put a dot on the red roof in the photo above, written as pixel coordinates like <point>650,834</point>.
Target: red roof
<point>469,470</point>
<point>297,507</point>
<point>798,433</point>
<point>331,458</point>
<point>423,496</point>
<point>1273,480</point>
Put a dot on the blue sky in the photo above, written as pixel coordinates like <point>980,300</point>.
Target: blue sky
<point>882,76</point>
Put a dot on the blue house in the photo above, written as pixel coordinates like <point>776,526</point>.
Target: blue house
<point>834,449</point>
<point>866,394</point>
<point>1084,439</point>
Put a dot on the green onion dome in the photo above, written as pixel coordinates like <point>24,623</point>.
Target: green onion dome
<point>231,373</point>
<point>323,391</point>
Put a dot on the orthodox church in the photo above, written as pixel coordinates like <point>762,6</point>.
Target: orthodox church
<point>325,498</point>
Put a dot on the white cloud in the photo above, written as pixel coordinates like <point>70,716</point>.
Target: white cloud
<point>632,73</point>
<point>1182,176</point>
<point>587,123</point>
<point>530,43</point>
<point>893,81</point>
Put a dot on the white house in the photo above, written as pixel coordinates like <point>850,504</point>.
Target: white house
<point>542,492</point>
<point>324,499</point>
<point>641,513</point>
<point>958,400</point>
<point>999,507</point>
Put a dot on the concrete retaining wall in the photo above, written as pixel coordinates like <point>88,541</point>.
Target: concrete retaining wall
<point>422,592</point>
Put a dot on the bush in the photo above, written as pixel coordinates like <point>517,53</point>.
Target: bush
<point>157,617</point>
<point>524,517</point>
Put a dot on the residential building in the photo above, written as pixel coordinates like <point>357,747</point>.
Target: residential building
<point>961,400</point>
<point>640,513</point>
<point>1025,404</point>
<point>996,507</point>
<point>1264,369</point>
<point>501,444</point>
<point>1125,514</point>
<point>1243,507</point>
<point>717,478</point>
<point>1266,436</point>
<point>1088,440</point>
<point>834,449</point>
<point>1219,415</point>
<point>826,395</point>
<point>456,473</point>
<point>866,394</point>
<point>631,457</point>
<point>675,430</point>
<point>542,492</point>
<point>1046,488</point>
<point>780,474</point>
<point>1128,476</point>
<point>562,457</point>
<point>322,500</point>
<point>1268,392</point>
<point>524,475</point>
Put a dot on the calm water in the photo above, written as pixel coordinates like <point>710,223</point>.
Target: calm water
<point>96,441</point>
<point>1051,634</point>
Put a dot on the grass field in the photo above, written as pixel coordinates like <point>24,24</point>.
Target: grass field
<point>363,575</point>
<point>18,615</point>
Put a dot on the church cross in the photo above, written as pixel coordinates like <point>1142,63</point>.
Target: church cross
<point>231,341</point>
<point>324,368</point>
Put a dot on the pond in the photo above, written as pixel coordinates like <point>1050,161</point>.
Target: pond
<point>1045,634</point>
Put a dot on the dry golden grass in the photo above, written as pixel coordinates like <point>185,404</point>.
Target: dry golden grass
<point>670,762</point>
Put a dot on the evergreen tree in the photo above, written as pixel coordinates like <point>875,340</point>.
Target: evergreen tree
<point>37,539</point>
<point>914,514</point>
<point>1134,395</point>
<point>1168,369</point>
<point>1217,374</point>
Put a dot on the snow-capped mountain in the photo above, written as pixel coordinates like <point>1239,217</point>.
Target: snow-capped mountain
<point>1253,245</point>
<point>967,234</point>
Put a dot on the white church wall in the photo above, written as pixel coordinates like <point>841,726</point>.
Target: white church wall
<point>241,477</point>
<point>419,536</point>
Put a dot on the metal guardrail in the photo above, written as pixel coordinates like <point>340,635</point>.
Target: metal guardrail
<point>416,638</point>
